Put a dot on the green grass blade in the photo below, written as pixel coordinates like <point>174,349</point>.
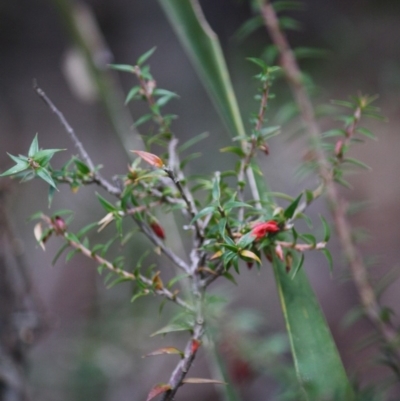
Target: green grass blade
<point>202,46</point>
<point>317,362</point>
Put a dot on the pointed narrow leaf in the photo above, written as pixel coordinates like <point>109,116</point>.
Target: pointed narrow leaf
<point>44,156</point>
<point>207,210</point>
<point>250,255</point>
<point>121,67</point>
<point>299,266</point>
<point>216,192</point>
<point>150,158</point>
<point>327,229</point>
<point>166,351</point>
<point>106,204</point>
<point>199,380</point>
<point>143,58</point>
<point>34,148</point>
<point>291,209</point>
<point>20,166</point>
<point>357,163</point>
<point>171,328</point>
<point>366,132</point>
<point>328,258</point>
<point>45,175</point>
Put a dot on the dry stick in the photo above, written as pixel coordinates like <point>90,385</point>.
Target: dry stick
<point>85,156</point>
<point>337,204</point>
<point>108,265</point>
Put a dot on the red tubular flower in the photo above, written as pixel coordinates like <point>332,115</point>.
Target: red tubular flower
<point>157,229</point>
<point>260,230</point>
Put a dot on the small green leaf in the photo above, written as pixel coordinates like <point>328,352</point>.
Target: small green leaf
<point>333,133</point>
<point>142,120</point>
<point>327,229</point>
<point>45,175</point>
<point>81,167</point>
<point>143,58</point>
<point>249,254</point>
<point>118,281</point>
<point>173,327</point>
<point>235,204</point>
<point>176,279</point>
<point>246,240</point>
<point>310,52</point>
<point>329,258</point>
<point>58,254</point>
<point>287,23</point>
<point>299,266</point>
<point>20,166</point>
<point>132,94</point>
<point>259,62</point>
<point>193,141</point>
<point>44,156</point>
<point>287,5</point>
<point>250,26</point>
<point>343,103</point>
<point>357,163</point>
<point>106,204</point>
<point>34,148</point>
<point>216,191</point>
<point>366,132</point>
<point>204,212</point>
<point>121,67</point>
<point>309,238</point>
<point>230,277</point>
<point>138,295</point>
<point>270,132</point>
<point>50,195</point>
<point>291,209</point>
<point>233,149</point>
<point>71,254</point>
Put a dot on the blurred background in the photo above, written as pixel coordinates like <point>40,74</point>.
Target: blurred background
<point>64,335</point>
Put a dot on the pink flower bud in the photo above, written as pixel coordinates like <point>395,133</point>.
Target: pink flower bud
<point>279,252</point>
<point>339,148</point>
<point>59,225</point>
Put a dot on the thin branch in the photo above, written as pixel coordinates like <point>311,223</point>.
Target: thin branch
<point>175,173</point>
<point>164,249</point>
<point>78,144</point>
<point>301,247</point>
<point>109,266</point>
<point>192,345</point>
<point>337,204</point>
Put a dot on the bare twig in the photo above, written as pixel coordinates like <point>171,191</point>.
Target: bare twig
<point>301,247</point>
<point>164,249</point>
<point>192,345</point>
<point>337,204</point>
<point>111,267</point>
<point>175,173</point>
<point>70,131</point>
